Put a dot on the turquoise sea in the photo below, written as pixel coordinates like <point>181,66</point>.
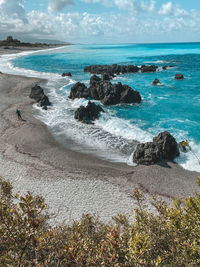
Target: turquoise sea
<point>174,106</point>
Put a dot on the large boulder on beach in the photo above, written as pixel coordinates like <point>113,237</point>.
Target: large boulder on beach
<point>147,154</point>
<point>37,93</point>
<point>79,90</point>
<point>89,113</point>
<point>179,76</point>
<point>167,145</point>
<point>163,147</point>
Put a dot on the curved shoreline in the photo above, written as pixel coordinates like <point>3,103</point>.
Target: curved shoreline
<point>72,182</point>
<point>34,161</point>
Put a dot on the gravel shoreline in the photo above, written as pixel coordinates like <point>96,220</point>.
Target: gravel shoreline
<point>71,182</point>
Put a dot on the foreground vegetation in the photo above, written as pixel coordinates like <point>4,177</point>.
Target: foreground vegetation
<point>169,238</point>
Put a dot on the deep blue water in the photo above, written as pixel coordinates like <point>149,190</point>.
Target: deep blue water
<point>174,106</point>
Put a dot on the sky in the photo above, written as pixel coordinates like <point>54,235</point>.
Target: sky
<point>102,21</point>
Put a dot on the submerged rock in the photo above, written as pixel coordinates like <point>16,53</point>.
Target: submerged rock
<point>179,76</point>
<point>156,82</point>
<point>66,74</point>
<point>37,93</point>
<point>163,147</point>
<point>89,113</point>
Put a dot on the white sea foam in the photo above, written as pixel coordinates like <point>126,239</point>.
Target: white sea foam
<point>191,159</point>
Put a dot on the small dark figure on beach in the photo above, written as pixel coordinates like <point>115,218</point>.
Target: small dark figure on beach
<point>19,114</point>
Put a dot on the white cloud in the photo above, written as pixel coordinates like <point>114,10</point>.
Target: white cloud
<point>85,27</point>
<point>13,9</point>
<point>169,9</point>
<point>59,5</point>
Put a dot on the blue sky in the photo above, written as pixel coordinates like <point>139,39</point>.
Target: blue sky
<point>102,21</point>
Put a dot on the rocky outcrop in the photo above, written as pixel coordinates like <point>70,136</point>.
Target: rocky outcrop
<point>115,69</point>
<point>151,68</point>
<point>163,147</point>
<point>106,92</point>
<point>106,77</point>
<point>65,74</point>
<point>89,113</point>
<point>156,82</point>
<point>112,94</point>
<point>179,76</point>
<point>79,90</point>
<point>37,93</point>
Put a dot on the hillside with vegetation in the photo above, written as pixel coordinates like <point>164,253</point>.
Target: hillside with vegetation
<point>11,42</point>
<point>170,237</point>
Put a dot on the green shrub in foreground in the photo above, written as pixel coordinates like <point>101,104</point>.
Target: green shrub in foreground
<point>169,238</point>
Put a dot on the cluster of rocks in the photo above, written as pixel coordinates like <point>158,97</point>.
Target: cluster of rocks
<point>89,113</point>
<point>37,93</point>
<point>102,89</point>
<point>178,76</point>
<point>115,69</point>
<point>163,147</point>
<point>66,74</point>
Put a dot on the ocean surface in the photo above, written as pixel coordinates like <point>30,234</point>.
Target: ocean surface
<point>174,106</point>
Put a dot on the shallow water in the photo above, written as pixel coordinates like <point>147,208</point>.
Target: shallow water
<point>174,106</point>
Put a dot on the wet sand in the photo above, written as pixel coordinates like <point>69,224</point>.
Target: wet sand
<point>73,183</point>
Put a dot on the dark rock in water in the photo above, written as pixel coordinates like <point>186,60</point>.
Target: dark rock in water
<point>89,113</point>
<point>93,110</point>
<point>129,96</point>
<point>112,94</point>
<point>112,70</point>
<point>106,77</point>
<point>163,147</point>
<point>147,154</point>
<point>156,82</point>
<point>81,114</point>
<point>67,74</point>
<point>37,93</point>
<point>164,67</point>
<point>45,107</point>
<point>151,68</point>
<point>44,102</point>
<point>79,90</point>
<point>179,76</point>
<point>103,90</point>
<point>167,145</point>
